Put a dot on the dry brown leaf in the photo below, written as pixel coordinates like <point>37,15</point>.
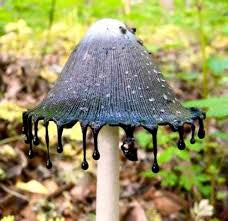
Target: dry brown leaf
<point>135,213</point>
<point>166,204</point>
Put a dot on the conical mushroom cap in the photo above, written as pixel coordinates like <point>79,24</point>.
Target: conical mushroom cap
<point>111,79</point>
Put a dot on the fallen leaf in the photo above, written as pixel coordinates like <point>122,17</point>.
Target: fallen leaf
<point>135,213</point>
<point>166,204</point>
<point>32,186</point>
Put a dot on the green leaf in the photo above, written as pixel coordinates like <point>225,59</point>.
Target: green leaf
<point>168,178</point>
<point>148,174</point>
<point>217,106</point>
<point>205,190</point>
<point>183,154</point>
<point>164,138</point>
<point>166,155</point>
<point>144,139</point>
<point>186,182</point>
<point>213,169</point>
<point>197,147</point>
<point>202,177</point>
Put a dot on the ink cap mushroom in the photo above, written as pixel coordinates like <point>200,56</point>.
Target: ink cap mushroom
<point>110,81</point>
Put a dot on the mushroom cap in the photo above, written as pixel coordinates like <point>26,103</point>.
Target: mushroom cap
<point>111,79</point>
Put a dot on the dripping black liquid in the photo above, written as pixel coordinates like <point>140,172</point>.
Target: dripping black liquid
<point>30,129</point>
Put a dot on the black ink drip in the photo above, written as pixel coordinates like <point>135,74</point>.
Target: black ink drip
<point>30,137</point>
<point>192,141</point>
<point>36,140</point>
<point>155,166</point>
<point>60,145</point>
<point>201,132</point>
<point>96,154</point>
<point>25,127</point>
<point>48,163</point>
<point>130,152</point>
<point>84,164</point>
<point>180,143</point>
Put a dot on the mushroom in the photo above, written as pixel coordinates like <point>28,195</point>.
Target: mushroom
<point>110,80</point>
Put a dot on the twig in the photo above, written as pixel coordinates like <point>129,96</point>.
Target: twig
<point>11,139</point>
<point>14,193</point>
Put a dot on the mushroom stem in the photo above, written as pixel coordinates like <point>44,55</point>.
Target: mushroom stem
<point>108,185</point>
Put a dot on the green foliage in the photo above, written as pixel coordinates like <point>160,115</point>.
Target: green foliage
<point>194,176</point>
<point>215,106</point>
<point>185,168</point>
<point>168,177</point>
<point>144,139</point>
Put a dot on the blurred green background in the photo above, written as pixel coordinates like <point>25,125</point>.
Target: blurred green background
<point>189,41</point>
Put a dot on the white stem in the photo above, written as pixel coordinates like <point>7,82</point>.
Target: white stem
<point>107,208</point>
